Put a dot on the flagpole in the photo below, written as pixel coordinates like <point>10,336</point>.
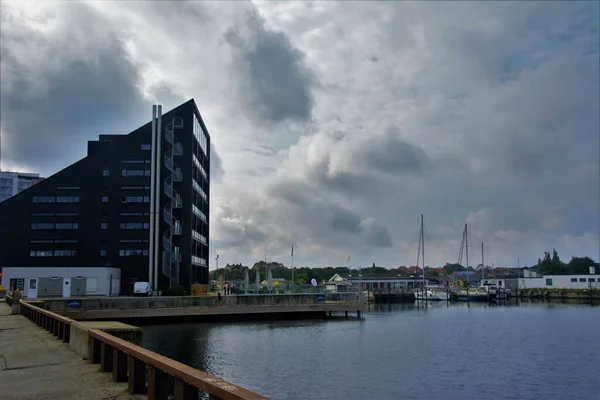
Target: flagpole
<point>292,287</point>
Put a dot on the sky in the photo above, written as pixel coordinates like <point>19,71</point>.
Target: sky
<point>335,125</point>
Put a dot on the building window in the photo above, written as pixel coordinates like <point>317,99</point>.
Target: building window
<point>67,214</point>
<point>44,199</point>
<point>135,172</point>
<point>41,253</point>
<point>135,225</point>
<point>42,215</point>
<point>42,226</point>
<point>103,253</point>
<point>65,253</point>
<point>145,146</point>
<point>581,279</point>
<point>105,199</point>
<point>67,225</point>
<point>104,225</point>
<point>41,241</point>
<point>135,252</point>
<point>66,241</point>
<point>548,282</point>
<point>67,199</point>
<point>135,187</point>
<point>136,214</point>
<point>135,199</point>
<point>573,279</point>
<point>67,187</point>
<point>136,161</point>
<point>105,172</point>
<point>591,279</point>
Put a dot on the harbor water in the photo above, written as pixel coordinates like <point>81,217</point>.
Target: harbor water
<point>397,351</point>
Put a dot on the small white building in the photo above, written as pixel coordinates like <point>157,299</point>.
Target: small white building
<point>561,282</point>
<point>37,282</point>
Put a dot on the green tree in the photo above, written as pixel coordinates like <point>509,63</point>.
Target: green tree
<point>580,265</point>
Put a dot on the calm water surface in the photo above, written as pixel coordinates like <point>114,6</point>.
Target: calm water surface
<point>530,351</point>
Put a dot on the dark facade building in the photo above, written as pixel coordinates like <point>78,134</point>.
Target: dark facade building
<point>116,208</point>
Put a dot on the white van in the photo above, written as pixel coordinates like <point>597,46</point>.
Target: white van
<point>142,289</point>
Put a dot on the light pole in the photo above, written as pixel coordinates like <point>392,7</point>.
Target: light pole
<point>217,259</point>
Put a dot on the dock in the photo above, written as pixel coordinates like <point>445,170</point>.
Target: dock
<point>34,365</point>
<point>202,308</point>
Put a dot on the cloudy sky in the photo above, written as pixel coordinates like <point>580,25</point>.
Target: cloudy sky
<point>335,125</point>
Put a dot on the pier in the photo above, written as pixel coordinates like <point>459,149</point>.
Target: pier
<point>42,354</point>
<point>202,308</point>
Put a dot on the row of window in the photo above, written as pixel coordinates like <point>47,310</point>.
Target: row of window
<point>129,172</point>
<point>56,199</point>
<point>104,199</point>
<point>199,166</point>
<point>136,161</point>
<point>198,261</point>
<point>126,214</point>
<point>74,225</point>
<point>53,253</point>
<point>50,241</point>
<point>129,199</point>
<point>52,225</point>
<point>200,135</point>
<point>67,187</point>
<point>584,280</point>
<point>199,190</point>
<point>73,253</point>
<point>54,241</point>
<point>198,236</point>
<point>54,214</point>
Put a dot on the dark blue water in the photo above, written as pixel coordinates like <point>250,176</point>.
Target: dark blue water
<point>530,351</point>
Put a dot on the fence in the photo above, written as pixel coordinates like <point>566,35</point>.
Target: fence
<point>131,363</point>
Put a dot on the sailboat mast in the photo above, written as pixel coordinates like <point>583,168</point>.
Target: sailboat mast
<point>482,264</point>
<point>423,250</point>
<point>467,252</point>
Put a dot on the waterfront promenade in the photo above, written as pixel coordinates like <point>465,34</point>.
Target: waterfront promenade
<point>41,367</point>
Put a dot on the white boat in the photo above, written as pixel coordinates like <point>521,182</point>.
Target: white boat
<point>433,293</point>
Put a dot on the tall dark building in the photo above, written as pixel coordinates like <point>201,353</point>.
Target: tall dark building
<point>116,208</point>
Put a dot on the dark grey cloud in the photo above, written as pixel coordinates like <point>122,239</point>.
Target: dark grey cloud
<point>276,84</point>
<point>388,153</point>
<point>47,112</point>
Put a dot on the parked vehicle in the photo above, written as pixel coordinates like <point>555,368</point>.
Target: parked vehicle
<point>142,289</point>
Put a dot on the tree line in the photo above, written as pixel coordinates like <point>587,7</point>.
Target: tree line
<point>549,265</point>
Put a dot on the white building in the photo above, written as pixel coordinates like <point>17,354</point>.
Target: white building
<point>561,282</point>
<point>355,281</point>
<point>12,183</point>
<point>37,282</point>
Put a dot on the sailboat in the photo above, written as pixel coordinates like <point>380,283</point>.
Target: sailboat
<point>469,293</point>
<point>428,292</point>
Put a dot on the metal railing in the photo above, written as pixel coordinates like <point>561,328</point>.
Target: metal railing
<point>131,363</point>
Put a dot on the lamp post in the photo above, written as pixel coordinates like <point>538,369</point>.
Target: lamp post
<point>217,259</point>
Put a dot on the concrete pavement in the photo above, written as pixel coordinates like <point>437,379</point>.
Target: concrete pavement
<point>41,367</point>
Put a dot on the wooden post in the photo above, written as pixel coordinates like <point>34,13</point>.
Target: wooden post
<point>119,368</point>
<point>106,357</point>
<point>158,385</point>
<point>183,391</point>
<point>94,350</point>
<point>61,330</point>
<point>67,337</point>
<point>136,371</point>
